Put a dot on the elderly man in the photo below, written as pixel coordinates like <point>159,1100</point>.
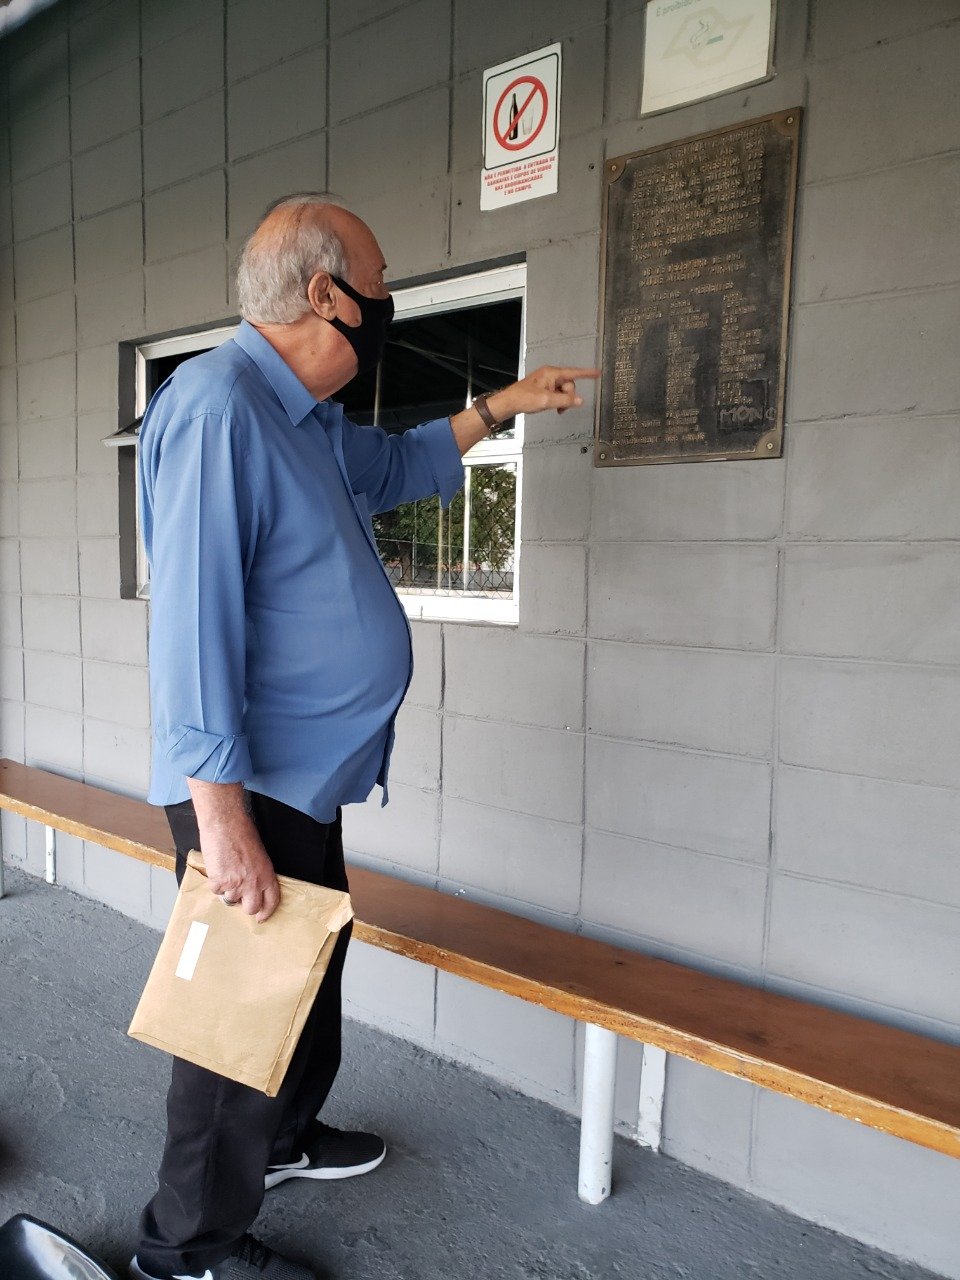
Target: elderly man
<point>279,655</point>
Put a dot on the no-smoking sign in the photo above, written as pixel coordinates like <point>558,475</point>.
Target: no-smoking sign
<point>521,120</point>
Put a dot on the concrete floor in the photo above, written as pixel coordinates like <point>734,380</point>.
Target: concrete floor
<point>480,1183</point>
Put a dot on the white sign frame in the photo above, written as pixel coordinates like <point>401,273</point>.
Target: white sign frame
<point>521,128</point>
<point>683,55</point>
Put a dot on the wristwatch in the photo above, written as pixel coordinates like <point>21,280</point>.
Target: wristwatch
<point>489,421</point>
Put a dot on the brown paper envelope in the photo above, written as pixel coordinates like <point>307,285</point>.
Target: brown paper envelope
<point>233,995</point>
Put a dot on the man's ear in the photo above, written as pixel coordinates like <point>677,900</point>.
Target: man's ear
<point>322,296</point>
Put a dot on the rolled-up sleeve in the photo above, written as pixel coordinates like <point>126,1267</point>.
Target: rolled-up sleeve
<point>202,531</point>
<point>392,469</point>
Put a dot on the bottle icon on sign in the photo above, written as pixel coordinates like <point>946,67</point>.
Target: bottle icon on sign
<point>514,112</point>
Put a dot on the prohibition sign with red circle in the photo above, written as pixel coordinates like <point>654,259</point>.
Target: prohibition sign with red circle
<point>538,87</point>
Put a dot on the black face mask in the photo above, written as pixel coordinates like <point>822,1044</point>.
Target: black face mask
<point>369,337</point>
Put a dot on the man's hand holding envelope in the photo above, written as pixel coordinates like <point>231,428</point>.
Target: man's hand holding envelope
<point>231,991</point>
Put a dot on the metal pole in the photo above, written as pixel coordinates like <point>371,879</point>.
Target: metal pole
<point>376,395</point>
<point>467,510</point>
<point>468,475</point>
<point>596,1126</point>
<point>449,552</point>
<point>51,852</point>
<point>439,545</point>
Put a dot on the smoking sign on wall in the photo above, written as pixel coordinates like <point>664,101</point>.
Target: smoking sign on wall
<point>521,129</point>
<point>694,49</point>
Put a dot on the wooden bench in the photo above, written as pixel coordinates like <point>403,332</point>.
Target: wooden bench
<point>892,1080</point>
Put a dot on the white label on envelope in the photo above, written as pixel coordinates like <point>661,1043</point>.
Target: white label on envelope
<point>187,964</point>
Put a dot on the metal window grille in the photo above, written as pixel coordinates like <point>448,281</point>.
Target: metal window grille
<point>468,548</point>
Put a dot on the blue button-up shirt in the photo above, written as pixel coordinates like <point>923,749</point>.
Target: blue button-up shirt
<point>279,651</point>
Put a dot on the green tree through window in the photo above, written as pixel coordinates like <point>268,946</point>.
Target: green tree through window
<point>424,546</point>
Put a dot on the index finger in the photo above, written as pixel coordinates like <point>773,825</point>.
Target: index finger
<point>578,373</point>
<point>252,900</point>
<point>271,900</point>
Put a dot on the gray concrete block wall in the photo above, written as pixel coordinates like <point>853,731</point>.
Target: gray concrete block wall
<point>724,730</point>
<point>76,286</point>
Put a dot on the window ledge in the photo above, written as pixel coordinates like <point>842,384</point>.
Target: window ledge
<point>430,607</point>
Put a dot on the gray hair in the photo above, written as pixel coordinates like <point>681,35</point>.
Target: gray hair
<point>275,270</point>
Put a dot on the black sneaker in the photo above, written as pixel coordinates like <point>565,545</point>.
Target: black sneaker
<point>250,1260</point>
<point>330,1154</point>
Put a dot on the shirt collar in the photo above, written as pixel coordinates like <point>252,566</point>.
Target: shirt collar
<point>290,391</point>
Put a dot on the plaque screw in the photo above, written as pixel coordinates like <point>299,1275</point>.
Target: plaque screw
<point>789,119</point>
<point>770,446</point>
<point>602,457</point>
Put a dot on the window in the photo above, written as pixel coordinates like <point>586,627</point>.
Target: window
<point>450,341</point>
<point>153,363</point>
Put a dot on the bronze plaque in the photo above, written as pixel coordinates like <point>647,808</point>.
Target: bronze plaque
<point>697,239</point>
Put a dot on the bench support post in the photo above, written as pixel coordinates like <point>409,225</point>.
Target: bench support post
<point>652,1077</point>
<point>51,854</point>
<point>596,1125</point>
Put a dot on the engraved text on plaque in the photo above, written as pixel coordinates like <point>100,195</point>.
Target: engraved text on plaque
<point>696,268</point>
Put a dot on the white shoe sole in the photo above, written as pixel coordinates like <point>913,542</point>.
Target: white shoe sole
<point>328,1174</point>
<point>136,1272</point>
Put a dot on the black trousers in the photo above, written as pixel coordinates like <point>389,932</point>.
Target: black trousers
<point>221,1136</point>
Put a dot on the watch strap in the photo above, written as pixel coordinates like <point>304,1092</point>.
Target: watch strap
<point>481,406</point>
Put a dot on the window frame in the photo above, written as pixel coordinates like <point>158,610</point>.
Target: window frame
<point>496,284</point>
<point>181,344</point>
